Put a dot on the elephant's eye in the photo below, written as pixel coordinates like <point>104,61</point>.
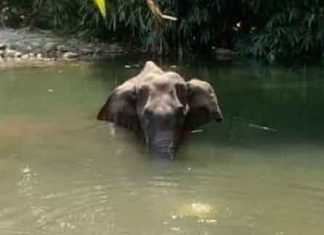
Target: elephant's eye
<point>181,93</point>
<point>143,91</point>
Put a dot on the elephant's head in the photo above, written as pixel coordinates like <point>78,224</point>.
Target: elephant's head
<point>161,106</point>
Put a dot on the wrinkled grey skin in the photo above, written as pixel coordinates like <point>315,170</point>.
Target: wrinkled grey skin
<point>161,106</point>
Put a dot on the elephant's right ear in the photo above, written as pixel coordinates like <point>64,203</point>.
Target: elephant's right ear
<point>120,108</point>
<point>203,104</point>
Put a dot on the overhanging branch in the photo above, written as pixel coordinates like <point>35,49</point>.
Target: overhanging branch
<point>157,12</point>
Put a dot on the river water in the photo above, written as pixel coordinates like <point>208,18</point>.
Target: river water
<point>260,171</point>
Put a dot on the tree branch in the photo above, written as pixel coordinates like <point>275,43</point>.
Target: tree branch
<point>157,12</point>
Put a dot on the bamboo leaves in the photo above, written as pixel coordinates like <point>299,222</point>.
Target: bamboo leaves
<point>262,28</point>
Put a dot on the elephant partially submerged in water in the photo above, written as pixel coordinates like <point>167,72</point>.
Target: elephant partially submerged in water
<point>161,106</point>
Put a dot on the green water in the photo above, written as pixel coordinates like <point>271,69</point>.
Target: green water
<point>260,171</point>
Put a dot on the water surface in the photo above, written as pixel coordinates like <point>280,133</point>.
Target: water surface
<point>261,171</point>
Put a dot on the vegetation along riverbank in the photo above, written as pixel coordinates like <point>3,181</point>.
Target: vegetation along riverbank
<point>264,29</point>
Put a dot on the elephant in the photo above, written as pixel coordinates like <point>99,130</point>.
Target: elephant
<point>161,106</point>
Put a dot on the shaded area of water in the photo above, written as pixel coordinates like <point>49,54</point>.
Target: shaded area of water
<point>258,172</point>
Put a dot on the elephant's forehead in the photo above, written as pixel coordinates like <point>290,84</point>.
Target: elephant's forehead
<point>166,80</point>
<point>162,103</point>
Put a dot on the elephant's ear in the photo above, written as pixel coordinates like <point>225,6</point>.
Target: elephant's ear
<point>120,108</point>
<point>203,104</point>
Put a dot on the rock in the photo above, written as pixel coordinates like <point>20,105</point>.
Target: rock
<point>9,53</point>
<point>224,52</point>
<point>25,56</point>
<point>12,53</point>
<point>62,48</point>
<point>114,47</point>
<point>86,51</point>
<point>17,46</point>
<point>70,55</point>
<point>35,44</point>
<point>3,46</point>
<point>50,46</point>
<point>27,48</point>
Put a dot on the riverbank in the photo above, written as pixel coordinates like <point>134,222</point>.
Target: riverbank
<point>21,45</point>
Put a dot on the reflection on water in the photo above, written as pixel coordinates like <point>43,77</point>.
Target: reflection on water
<point>259,172</point>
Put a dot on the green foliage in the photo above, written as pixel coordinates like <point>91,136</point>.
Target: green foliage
<point>56,14</point>
<point>289,28</point>
<point>263,28</point>
<point>13,12</point>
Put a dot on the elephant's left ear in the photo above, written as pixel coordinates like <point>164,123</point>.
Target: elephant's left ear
<point>203,104</point>
<point>120,107</point>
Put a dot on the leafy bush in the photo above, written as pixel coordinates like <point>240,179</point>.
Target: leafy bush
<point>288,28</point>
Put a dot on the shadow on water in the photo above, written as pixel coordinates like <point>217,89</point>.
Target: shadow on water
<point>258,172</point>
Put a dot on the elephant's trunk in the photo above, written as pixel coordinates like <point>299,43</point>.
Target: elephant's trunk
<point>163,148</point>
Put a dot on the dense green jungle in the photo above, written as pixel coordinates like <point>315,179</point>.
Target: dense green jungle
<point>270,29</point>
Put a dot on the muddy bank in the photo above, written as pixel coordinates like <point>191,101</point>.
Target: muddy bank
<point>22,44</point>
